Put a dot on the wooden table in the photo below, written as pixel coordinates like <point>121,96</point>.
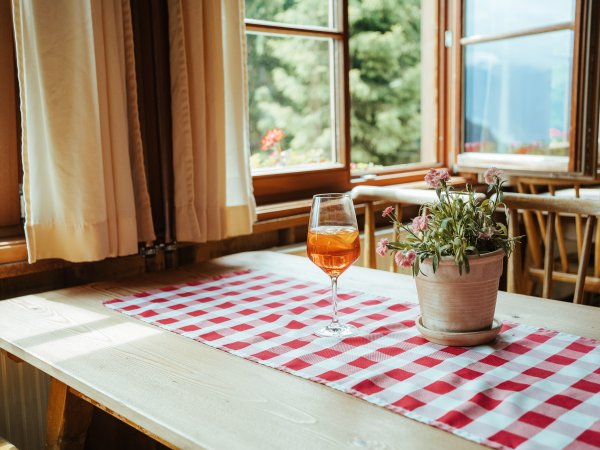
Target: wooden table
<point>5,445</point>
<point>190,395</point>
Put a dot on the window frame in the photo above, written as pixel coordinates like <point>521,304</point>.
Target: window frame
<point>583,138</point>
<point>10,138</point>
<point>303,182</point>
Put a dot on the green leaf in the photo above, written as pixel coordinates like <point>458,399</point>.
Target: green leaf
<point>416,267</point>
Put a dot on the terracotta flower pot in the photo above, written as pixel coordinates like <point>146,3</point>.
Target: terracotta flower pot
<point>460,303</point>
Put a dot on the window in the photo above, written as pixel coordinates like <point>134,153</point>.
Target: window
<point>293,77</point>
<point>339,89</point>
<point>392,83</point>
<point>297,117</point>
<point>521,96</point>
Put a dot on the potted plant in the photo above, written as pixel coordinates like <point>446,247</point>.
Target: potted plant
<point>456,248</point>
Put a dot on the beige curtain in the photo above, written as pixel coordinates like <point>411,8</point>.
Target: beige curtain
<point>84,184</point>
<point>213,194</point>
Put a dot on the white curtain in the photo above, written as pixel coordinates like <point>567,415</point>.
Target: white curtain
<point>213,193</point>
<point>84,184</point>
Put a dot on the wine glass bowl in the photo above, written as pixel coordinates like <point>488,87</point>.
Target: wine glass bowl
<point>333,248</point>
<point>333,245</point>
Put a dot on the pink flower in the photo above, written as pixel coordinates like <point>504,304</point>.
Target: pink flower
<point>434,177</point>
<point>555,133</point>
<point>491,174</point>
<point>405,259</point>
<point>387,211</point>
<point>472,146</point>
<point>420,223</point>
<point>271,137</point>
<point>382,247</point>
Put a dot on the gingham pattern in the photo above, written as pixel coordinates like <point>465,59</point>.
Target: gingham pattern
<point>532,389</point>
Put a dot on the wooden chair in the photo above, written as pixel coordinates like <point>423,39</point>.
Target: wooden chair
<point>535,225</point>
<point>553,208</point>
<point>398,197</point>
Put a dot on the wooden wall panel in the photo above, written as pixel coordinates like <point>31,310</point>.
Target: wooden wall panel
<point>9,141</point>
<point>23,402</point>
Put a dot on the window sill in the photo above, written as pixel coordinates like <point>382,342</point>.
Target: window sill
<point>13,249</point>
<point>278,216</point>
<point>394,174</point>
<point>296,169</point>
<point>281,215</point>
<point>412,179</point>
<point>523,163</point>
<point>279,187</point>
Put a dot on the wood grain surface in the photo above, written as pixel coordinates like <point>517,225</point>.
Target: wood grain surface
<point>5,445</point>
<point>194,396</point>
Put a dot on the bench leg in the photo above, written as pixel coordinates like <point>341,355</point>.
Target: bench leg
<point>69,418</point>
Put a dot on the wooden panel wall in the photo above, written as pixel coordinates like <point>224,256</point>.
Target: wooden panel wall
<point>21,278</point>
<point>9,140</point>
<point>23,401</point>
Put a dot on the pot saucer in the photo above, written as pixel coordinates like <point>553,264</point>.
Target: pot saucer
<point>455,339</point>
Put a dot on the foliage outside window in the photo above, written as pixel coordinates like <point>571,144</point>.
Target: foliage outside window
<point>291,76</point>
<point>385,82</point>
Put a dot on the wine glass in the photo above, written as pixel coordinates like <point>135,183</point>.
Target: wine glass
<point>333,245</point>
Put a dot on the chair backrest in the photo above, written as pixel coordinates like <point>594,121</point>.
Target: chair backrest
<point>535,225</point>
<point>553,208</point>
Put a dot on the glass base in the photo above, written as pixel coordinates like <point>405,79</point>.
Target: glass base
<point>337,330</point>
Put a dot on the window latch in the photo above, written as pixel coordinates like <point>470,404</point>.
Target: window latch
<point>448,39</point>
<point>22,203</point>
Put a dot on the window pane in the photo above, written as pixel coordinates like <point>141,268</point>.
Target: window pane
<point>385,82</point>
<point>485,17</point>
<point>517,95</point>
<point>291,112</point>
<point>294,12</point>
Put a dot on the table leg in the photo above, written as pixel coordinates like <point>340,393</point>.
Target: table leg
<point>69,418</point>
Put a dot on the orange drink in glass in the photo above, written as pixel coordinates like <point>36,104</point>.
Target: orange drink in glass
<point>333,245</point>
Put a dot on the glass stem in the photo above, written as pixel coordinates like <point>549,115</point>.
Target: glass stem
<point>334,299</point>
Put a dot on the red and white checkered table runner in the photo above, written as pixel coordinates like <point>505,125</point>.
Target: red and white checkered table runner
<point>531,389</point>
